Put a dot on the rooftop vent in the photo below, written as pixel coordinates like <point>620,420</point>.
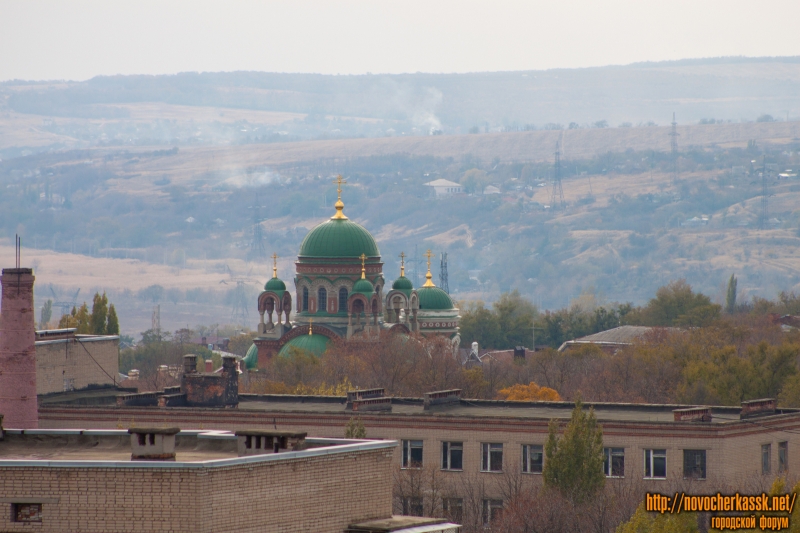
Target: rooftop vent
<point>693,414</point>
<point>762,407</point>
<point>372,404</point>
<point>153,444</point>
<point>260,442</point>
<point>442,397</point>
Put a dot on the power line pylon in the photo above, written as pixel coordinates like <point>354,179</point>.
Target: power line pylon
<point>257,243</point>
<point>558,190</point>
<point>763,220</point>
<point>443,284</point>
<point>673,144</point>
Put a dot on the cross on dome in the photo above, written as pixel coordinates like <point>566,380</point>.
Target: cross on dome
<point>363,269</point>
<point>274,265</point>
<point>339,205</point>
<point>402,264</point>
<point>428,276</point>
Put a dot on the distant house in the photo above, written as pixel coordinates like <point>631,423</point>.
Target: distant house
<point>443,187</point>
<point>491,189</point>
<point>613,339</point>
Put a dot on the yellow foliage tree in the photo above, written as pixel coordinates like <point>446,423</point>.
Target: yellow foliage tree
<point>643,521</point>
<point>528,393</point>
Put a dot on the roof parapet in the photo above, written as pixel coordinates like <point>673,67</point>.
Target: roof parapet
<point>441,398</point>
<point>372,404</point>
<point>760,407</point>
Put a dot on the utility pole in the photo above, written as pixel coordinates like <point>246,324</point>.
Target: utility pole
<point>763,219</point>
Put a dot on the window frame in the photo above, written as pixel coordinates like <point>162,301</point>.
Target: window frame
<point>322,300</point>
<point>766,459</point>
<point>608,461</point>
<point>649,462</point>
<point>343,296</point>
<point>487,450</point>
<point>411,504</point>
<point>526,458</point>
<point>407,459</point>
<point>305,299</point>
<point>489,508</point>
<point>447,455</point>
<point>453,508</point>
<point>704,466</point>
<point>783,457</point>
<point>16,509</point>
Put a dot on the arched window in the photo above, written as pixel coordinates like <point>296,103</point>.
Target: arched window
<point>305,298</point>
<point>343,300</point>
<point>322,298</point>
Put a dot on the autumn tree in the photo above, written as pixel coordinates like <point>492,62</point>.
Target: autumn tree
<point>676,305</point>
<point>730,296</point>
<point>528,393</point>
<point>112,326</point>
<point>99,314</point>
<point>644,521</point>
<point>47,313</point>
<point>574,463</point>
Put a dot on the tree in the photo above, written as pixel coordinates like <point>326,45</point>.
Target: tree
<point>479,324</point>
<point>730,297</point>
<point>112,326</point>
<point>528,393</point>
<point>644,521</point>
<point>515,317</point>
<point>474,181</point>
<point>676,305</point>
<point>99,314</point>
<point>574,463</point>
<point>355,429</point>
<point>47,313</point>
<point>82,320</point>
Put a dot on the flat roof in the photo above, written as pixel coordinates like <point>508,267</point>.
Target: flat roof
<point>605,411</point>
<point>112,448</point>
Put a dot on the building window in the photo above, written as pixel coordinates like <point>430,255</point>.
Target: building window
<point>766,458</point>
<point>614,462</point>
<point>412,506</point>
<point>694,464</point>
<point>491,457</point>
<point>305,298</point>
<point>453,509</point>
<point>27,512</point>
<point>491,511</point>
<point>783,456</point>
<point>412,453</point>
<point>532,458</point>
<point>322,298</point>
<point>343,300</point>
<point>452,455</point>
<point>655,464</point>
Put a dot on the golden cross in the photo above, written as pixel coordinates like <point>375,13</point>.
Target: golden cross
<point>339,181</point>
<point>274,265</point>
<point>429,254</point>
<point>363,270</point>
<point>428,276</point>
<point>402,264</point>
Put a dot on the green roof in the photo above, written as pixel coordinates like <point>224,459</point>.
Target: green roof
<point>251,358</point>
<point>339,238</point>
<point>404,285</point>
<point>275,285</point>
<point>363,286</point>
<point>434,298</point>
<point>313,344</point>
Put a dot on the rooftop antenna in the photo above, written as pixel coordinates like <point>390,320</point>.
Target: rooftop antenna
<point>156,320</point>
<point>558,190</point>
<point>443,274</point>
<point>673,144</point>
<point>763,220</point>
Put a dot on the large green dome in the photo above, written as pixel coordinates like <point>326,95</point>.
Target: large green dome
<point>313,344</point>
<point>339,238</point>
<point>434,299</point>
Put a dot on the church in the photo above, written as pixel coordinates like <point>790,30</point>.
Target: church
<point>340,293</point>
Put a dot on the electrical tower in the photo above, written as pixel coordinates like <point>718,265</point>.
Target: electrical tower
<point>673,144</point>
<point>558,190</point>
<point>156,321</point>
<point>239,299</point>
<point>443,274</point>
<point>763,220</point>
<point>257,243</point>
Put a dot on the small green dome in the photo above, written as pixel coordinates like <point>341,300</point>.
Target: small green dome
<point>403,284</point>
<point>433,299</point>
<point>363,286</point>
<point>339,238</point>
<point>251,358</point>
<point>313,344</point>
<point>275,285</point>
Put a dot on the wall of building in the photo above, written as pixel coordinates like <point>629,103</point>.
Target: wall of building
<point>76,362</point>
<point>733,451</point>
<point>322,494</point>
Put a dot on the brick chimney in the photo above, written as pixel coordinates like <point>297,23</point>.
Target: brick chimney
<point>153,444</point>
<point>189,364</point>
<point>18,350</point>
<point>209,366</point>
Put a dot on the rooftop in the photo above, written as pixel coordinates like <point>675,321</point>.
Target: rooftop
<point>617,336</point>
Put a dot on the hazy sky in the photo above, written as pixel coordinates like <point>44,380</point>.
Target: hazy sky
<point>79,39</point>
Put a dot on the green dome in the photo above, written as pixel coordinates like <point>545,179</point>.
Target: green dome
<point>275,285</point>
<point>363,286</point>
<point>339,238</point>
<point>403,284</point>
<point>313,344</point>
<point>251,359</point>
<point>434,298</point>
